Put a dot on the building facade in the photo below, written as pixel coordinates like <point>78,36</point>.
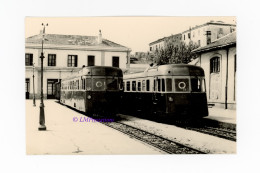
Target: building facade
<point>65,55</point>
<point>161,43</point>
<point>204,34</point>
<point>218,60</point>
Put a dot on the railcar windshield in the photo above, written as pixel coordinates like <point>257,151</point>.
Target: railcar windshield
<point>99,84</point>
<point>197,85</point>
<point>112,84</point>
<point>182,85</point>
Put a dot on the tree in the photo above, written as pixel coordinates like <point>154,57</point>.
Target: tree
<point>174,53</point>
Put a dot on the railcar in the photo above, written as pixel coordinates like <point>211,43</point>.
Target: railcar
<point>94,90</point>
<point>173,91</point>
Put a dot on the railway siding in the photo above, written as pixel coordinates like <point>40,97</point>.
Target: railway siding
<point>202,142</point>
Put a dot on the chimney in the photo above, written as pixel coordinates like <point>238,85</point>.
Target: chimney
<point>99,37</point>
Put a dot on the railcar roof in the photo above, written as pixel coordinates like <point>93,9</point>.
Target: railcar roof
<point>169,70</point>
<point>97,71</point>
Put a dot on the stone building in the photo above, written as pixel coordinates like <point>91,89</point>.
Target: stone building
<point>218,59</point>
<point>66,55</point>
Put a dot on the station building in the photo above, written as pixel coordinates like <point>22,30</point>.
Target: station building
<point>218,60</point>
<point>65,55</point>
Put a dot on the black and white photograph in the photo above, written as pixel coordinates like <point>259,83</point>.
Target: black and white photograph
<point>101,86</point>
<point>129,86</point>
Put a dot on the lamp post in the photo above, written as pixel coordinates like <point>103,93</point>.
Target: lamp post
<point>42,116</point>
<point>33,88</point>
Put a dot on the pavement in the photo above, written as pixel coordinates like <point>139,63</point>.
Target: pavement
<point>65,136</point>
<point>224,117</point>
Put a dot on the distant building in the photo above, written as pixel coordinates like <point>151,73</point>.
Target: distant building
<point>160,43</point>
<point>65,55</point>
<point>204,34</point>
<point>218,59</point>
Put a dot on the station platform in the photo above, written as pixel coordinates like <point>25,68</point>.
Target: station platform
<point>67,134</point>
<point>223,117</point>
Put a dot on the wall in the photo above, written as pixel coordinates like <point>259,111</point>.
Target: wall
<point>205,64</point>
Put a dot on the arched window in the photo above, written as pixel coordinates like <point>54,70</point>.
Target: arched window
<point>215,65</point>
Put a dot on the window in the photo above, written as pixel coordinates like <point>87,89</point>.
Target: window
<point>139,86</point>
<point>169,84</point>
<point>91,60</point>
<point>215,65</point>
<point>51,59</point>
<point>183,37</point>
<point>72,60</point>
<point>147,85</point>
<point>195,85</point>
<point>181,85</point>
<point>143,85</point>
<point>220,31</point>
<point>115,61</point>
<point>133,85</point>
<point>189,35</point>
<point>198,42</point>
<point>208,34</point>
<point>128,86</point>
<point>159,84</point>
<point>151,49</point>
<point>163,85</point>
<point>28,59</point>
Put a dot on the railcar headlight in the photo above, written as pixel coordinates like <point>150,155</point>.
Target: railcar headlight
<point>88,88</point>
<point>99,84</point>
<point>89,97</point>
<point>170,99</point>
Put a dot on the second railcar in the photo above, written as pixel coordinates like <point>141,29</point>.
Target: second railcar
<point>174,90</point>
<point>94,90</point>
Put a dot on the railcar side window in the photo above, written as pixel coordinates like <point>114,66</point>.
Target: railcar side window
<point>163,85</point>
<point>133,85</point>
<point>182,85</point>
<point>159,84</point>
<point>169,84</point>
<point>143,85</point>
<point>147,85</point>
<point>128,86</point>
<point>139,86</point>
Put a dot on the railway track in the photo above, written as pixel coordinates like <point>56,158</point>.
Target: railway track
<point>161,143</point>
<point>216,131</point>
<point>209,129</point>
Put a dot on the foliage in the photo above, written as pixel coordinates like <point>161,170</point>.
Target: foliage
<point>174,53</point>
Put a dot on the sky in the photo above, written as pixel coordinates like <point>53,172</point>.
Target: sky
<point>133,32</point>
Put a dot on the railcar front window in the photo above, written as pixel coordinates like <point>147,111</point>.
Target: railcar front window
<point>181,85</point>
<point>112,84</point>
<point>88,84</point>
<point>169,84</point>
<point>197,85</point>
<point>98,84</point>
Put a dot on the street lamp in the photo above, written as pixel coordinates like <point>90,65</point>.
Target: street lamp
<point>42,117</point>
<point>33,87</point>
